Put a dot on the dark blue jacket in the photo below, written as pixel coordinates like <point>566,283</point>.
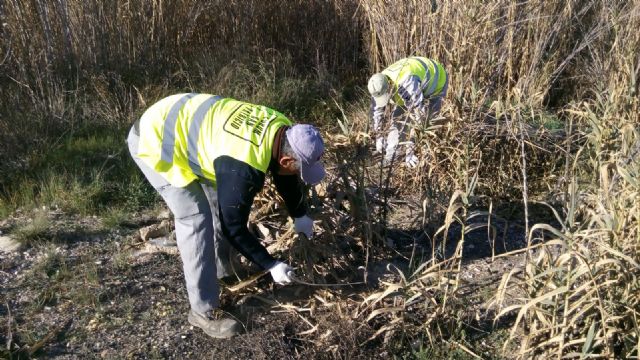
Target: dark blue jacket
<point>238,184</point>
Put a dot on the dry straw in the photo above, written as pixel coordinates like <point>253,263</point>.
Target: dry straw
<point>543,93</point>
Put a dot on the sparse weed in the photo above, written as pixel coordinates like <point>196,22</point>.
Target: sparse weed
<point>35,230</point>
<point>122,261</point>
<point>51,272</point>
<point>114,217</point>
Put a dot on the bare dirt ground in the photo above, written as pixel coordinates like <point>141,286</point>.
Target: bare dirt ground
<point>83,291</point>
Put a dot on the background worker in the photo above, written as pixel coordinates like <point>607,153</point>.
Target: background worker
<point>207,156</point>
<point>416,85</point>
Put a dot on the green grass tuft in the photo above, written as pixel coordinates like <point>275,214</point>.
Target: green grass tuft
<point>88,174</point>
<point>37,229</point>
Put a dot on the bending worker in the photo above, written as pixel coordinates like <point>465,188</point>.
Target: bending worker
<point>416,85</point>
<point>207,156</point>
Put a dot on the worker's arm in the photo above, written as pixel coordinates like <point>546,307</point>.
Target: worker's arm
<point>377,116</point>
<point>292,191</point>
<point>410,91</point>
<point>238,184</point>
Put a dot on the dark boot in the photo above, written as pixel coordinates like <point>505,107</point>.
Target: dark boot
<point>217,324</point>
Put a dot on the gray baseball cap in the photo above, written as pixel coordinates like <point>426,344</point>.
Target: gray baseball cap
<point>379,89</point>
<point>306,142</point>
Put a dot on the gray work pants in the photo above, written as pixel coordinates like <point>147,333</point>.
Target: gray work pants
<point>198,232</point>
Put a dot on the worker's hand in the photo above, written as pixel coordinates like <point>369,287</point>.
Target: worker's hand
<point>411,160</point>
<point>304,224</point>
<point>280,272</point>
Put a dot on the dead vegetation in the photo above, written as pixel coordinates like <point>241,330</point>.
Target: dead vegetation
<point>516,237</point>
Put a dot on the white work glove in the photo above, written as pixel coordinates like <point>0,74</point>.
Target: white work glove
<point>280,272</point>
<point>304,224</point>
<point>411,160</point>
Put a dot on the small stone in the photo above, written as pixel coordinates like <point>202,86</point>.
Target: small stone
<point>8,244</point>
<point>156,230</point>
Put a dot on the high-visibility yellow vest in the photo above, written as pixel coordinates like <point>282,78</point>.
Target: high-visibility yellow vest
<point>432,75</point>
<point>181,135</point>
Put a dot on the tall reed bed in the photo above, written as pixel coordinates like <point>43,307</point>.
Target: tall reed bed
<point>59,56</point>
<point>557,82</point>
<point>44,36</point>
<point>66,64</point>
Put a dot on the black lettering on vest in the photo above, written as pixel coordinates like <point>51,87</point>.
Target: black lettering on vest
<point>239,118</point>
<point>258,128</point>
<point>248,125</point>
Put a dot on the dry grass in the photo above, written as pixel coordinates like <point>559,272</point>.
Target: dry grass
<point>577,296</point>
<point>543,107</point>
<point>65,65</point>
<point>581,291</point>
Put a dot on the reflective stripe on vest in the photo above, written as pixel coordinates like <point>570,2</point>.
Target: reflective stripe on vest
<point>194,132</point>
<point>435,79</point>
<point>398,72</point>
<point>169,132</point>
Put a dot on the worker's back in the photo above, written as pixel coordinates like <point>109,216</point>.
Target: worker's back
<point>182,135</point>
<point>431,74</point>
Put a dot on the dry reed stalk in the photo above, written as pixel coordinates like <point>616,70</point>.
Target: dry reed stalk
<point>522,54</point>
